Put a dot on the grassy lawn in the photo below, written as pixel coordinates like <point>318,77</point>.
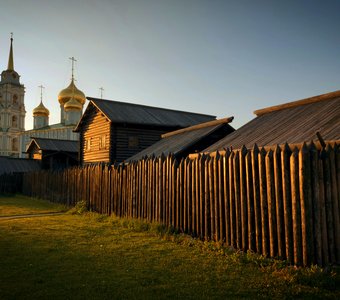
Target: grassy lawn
<point>90,256</point>
<point>21,205</point>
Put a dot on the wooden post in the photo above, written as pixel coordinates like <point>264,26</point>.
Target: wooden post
<point>306,206</point>
<point>272,225</point>
<point>243,198</point>
<point>257,198</point>
<point>264,202</point>
<point>316,218</point>
<point>211,199</point>
<point>329,206</point>
<point>335,199</point>
<point>279,203</point>
<point>202,195</point>
<point>226,181</point>
<point>250,203</point>
<point>287,202</point>
<point>323,217</point>
<point>207,200</point>
<point>296,210</point>
<point>238,225</point>
<point>232,201</point>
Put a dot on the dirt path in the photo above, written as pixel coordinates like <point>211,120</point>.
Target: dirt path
<point>31,215</point>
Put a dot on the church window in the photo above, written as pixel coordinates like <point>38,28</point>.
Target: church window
<point>15,99</point>
<point>14,144</point>
<point>14,121</point>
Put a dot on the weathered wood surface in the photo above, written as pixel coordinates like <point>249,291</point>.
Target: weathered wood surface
<point>279,203</point>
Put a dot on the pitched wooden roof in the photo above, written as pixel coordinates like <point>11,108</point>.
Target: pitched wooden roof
<point>293,122</point>
<point>178,141</point>
<point>18,165</point>
<point>129,113</point>
<point>54,145</point>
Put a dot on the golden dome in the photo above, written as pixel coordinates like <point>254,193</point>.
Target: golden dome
<point>41,110</point>
<point>69,92</point>
<point>73,104</point>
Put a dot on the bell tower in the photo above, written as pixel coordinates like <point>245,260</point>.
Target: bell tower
<point>12,108</point>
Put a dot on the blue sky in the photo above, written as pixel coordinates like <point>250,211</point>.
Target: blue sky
<point>225,58</point>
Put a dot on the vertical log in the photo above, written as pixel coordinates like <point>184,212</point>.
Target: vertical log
<point>296,210</point>
<point>202,196</point>
<point>216,196</point>
<point>272,225</point>
<point>226,180</point>
<point>221,210</point>
<point>335,200</point>
<point>329,206</point>
<point>323,217</point>
<point>250,203</point>
<point>180,196</point>
<point>211,199</point>
<point>281,251</point>
<point>316,218</point>
<point>264,202</point>
<point>238,225</point>
<point>257,198</point>
<point>232,201</point>
<point>287,202</point>
<point>193,198</point>
<point>207,200</point>
<point>197,196</point>
<point>243,198</point>
<point>306,206</point>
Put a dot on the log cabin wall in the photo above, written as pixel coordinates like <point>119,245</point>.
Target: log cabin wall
<point>130,140</point>
<point>95,138</point>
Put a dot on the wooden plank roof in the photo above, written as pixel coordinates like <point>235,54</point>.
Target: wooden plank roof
<point>293,122</point>
<point>18,165</point>
<point>176,142</point>
<point>129,113</point>
<point>54,145</point>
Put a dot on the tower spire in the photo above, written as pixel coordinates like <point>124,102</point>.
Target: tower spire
<point>10,66</point>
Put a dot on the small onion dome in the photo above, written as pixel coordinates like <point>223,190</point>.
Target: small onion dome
<point>69,92</point>
<point>73,104</point>
<point>41,110</point>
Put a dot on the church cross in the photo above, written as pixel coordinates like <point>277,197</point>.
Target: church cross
<point>73,60</point>
<point>41,91</point>
<point>101,92</point>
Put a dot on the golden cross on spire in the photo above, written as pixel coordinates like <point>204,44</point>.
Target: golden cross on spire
<point>41,91</point>
<point>73,60</point>
<point>101,92</point>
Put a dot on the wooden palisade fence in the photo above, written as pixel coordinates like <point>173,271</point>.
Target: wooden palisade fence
<point>278,202</point>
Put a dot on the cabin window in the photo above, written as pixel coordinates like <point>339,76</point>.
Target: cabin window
<point>88,145</point>
<point>133,142</point>
<point>102,142</point>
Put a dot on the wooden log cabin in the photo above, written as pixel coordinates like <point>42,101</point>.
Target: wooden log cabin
<point>112,131</point>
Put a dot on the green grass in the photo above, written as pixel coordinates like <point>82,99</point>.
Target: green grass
<point>91,256</point>
<point>21,205</point>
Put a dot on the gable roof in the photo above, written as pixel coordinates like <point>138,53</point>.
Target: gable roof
<point>129,113</point>
<point>54,145</point>
<point>178,141</point>
<point>18,165</point>
<point>293,122</point>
